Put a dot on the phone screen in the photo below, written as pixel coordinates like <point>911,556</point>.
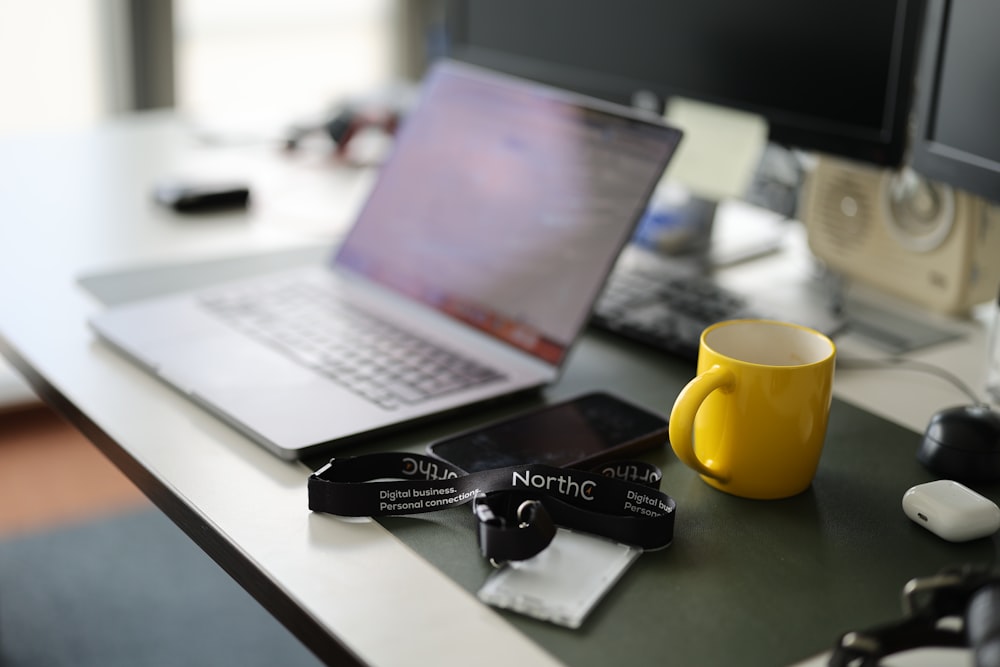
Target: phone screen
<point>588,429</point>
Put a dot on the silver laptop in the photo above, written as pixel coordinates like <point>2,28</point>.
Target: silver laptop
<point>468,274</point>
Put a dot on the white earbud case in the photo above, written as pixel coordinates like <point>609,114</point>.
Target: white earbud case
<point>951,511</point>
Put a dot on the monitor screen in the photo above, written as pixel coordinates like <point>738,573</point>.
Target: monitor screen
<point>957,140</point>
<point>834,77</point>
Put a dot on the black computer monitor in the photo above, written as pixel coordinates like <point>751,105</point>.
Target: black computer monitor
<point>957,109</point>
<point>834,77</point>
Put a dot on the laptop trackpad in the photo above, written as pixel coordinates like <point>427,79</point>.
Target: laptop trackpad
<point>290,405</point>
<point>225,362</point>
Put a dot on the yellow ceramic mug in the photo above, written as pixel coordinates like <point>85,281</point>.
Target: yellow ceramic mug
<point>753,421</point>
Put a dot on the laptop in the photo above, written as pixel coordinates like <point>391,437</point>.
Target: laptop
<point>468,274</point>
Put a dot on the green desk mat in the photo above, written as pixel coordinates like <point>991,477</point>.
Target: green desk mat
<point>745,582</point>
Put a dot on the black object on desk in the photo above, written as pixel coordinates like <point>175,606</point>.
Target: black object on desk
<point>199,197</point>
<point>969,592</point>
<point>665,312</point>
<point>963,443</point>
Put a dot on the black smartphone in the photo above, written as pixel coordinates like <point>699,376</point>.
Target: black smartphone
<point>586,430</point>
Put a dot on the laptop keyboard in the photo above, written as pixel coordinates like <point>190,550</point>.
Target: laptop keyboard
<point>370,357</point>
<point>666,312</point>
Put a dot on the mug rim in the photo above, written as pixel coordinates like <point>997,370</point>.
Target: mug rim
<point>770,322</point>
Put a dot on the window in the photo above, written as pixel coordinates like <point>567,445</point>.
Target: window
<point>50,65</point>
<point>266,62</point>
<point>236,61</point>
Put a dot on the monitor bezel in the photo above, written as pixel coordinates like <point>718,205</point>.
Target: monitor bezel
<point>931,158</point>
<point>885,146</point>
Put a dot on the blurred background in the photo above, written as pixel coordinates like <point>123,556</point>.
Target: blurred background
<point>237,70</point>
<point>248,64</point>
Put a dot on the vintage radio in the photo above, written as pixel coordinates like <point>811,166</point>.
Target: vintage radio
<point>920,240</point>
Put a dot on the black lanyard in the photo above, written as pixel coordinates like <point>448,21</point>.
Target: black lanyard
<point>518,508</point>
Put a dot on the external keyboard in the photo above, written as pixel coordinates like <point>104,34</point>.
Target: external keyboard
<point>666,312</point>
<point>362,353</point>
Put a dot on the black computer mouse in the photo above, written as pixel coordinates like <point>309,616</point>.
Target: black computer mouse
<point>963,443</point>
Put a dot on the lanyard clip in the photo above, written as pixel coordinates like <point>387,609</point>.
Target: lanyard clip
<point>507,533</point>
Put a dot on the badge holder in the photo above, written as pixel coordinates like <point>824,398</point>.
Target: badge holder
<point>563,583</point>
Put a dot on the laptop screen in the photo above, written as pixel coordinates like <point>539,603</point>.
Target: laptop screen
<point>505,204</point>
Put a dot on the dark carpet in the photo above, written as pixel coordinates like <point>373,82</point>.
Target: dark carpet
<point>130,590</point>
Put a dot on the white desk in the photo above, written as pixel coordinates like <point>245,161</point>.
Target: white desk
<point>14,391</point>
<point>78,203</point>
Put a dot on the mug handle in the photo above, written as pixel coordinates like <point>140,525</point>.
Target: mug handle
<point>682,419</point>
